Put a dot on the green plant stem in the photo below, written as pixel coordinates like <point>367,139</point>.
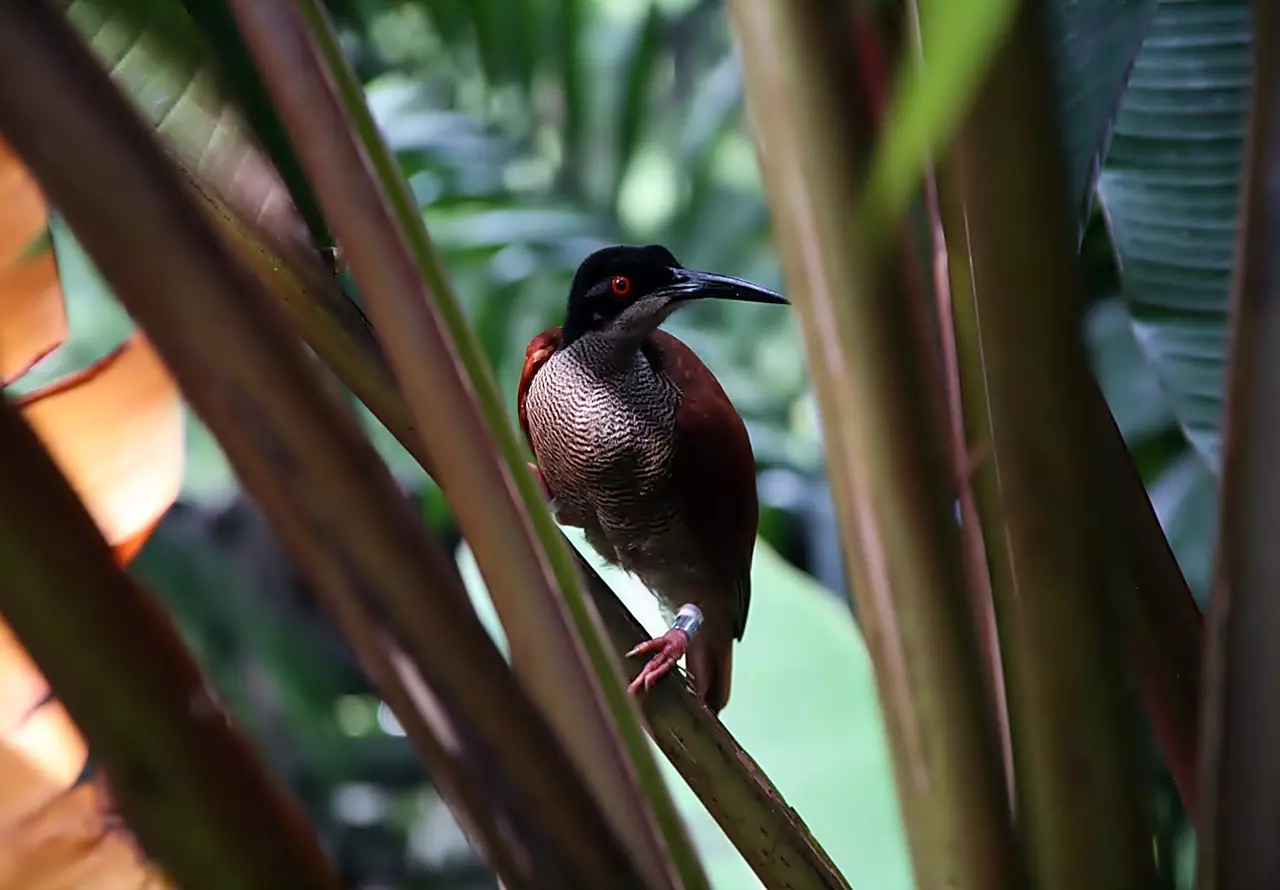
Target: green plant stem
<point>1075,757</point>
<point>891,477</point>
<point>557,642</point>
<point>1241,716</point>
<point>987,558</point>
<point>189,784</point>
<point>970,438</point>
<point>290,438</point>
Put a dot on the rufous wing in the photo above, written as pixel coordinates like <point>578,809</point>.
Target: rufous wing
<point>540,348</point>
<point>715,473</point>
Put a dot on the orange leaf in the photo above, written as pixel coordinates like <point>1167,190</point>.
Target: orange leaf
<point>33,319</point>
<point>22,687</point>
<point>53,834</point>
<point>25,212</point>
<point>116,431</point>
<point>40,761</point>
<point>66,846</point>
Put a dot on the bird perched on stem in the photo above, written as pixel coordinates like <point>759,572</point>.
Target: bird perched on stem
<point>637,444</point>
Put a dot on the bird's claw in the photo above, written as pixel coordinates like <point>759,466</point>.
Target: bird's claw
<point>668,649</point>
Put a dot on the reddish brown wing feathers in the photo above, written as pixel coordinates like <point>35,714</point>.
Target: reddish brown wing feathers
<point>715,472</point>
<point>540,349</point>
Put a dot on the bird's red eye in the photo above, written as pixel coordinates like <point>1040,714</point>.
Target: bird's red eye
<point>621,285</point>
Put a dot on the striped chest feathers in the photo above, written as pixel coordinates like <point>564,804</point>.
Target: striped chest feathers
<point>603,432</point>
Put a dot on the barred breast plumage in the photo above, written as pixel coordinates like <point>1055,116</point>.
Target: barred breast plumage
<point>604,437</point>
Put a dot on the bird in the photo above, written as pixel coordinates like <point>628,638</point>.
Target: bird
<point>636,443</point>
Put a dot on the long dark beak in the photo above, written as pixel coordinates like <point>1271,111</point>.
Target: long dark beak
<point>693,285</point>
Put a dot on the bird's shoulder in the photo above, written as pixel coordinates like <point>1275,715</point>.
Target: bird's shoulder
<point>536,354</point>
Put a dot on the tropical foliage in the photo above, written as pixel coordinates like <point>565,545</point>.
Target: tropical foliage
<point>528,134</point>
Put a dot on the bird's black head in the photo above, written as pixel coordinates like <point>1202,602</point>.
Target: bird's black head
<point>628,292</point>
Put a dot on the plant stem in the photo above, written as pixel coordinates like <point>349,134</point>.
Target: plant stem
<point>1241,712</point>
<point>970,436</point>
<point>891,478</point>
<point>1075,756</point>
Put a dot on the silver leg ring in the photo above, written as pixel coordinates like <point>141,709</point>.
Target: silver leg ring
<point>688,619</point>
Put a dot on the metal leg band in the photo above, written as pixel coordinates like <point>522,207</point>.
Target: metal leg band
<point>688,619</point>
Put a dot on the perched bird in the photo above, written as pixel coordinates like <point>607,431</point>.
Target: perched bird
<point>637,444</point>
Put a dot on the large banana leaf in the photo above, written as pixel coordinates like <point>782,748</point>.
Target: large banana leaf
<point>1095,42</point>
<point>1170,188</point>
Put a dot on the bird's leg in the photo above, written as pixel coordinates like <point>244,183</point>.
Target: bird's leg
<point>668,648</point>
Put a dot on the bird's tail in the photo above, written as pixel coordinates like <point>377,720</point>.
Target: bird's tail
<point>711,663</point>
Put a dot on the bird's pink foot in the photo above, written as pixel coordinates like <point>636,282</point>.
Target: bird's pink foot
<point>667,650</point>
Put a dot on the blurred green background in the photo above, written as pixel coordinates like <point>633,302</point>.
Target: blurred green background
<point>533,132</point>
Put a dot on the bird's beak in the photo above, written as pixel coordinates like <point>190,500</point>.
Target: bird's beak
<point>693,285</point>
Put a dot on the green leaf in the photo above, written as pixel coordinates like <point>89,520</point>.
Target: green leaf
<point>1131,389</point>
<point>1094,43</point>
<point>640,67</point>
<point>448,18</point>
<point>1185,497</point>
<point>1170,187</point>
<point>506,48</point>
<point>804,705</point>
<point>571,30</point>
